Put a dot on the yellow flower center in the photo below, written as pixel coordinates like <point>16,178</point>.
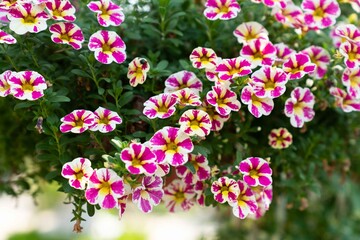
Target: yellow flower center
<point>194,123</point>
<point>106,48</point>
<point>29,19</point>
<point>56,13</point>
<point>5,87</point>
<point>204,59</point>
<point>79,123</point>
<point>171,146</point>
<point>298,108</point>
<point>136,162</point>
<point>103,10</point>
<point>253,173</point>
<point>224,9</point>
<point>162,109</point>
<point>104,120</point>
<point>65,37</point>
<point>269,85</point>
<point>258,55</point>
<point>318,13</point>
<point>352,56</point>
<point>79,175</point>
<point>179,196</point>
<point>105,188</point>
<point>27,87</point>
<point>224,189</point>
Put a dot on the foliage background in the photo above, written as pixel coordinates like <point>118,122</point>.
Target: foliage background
<point>316,190</point>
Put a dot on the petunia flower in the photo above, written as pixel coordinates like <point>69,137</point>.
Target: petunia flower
<point>8,4</point>
<point>225,190</point>
<point>160,106</point>
<point>233,68</point>
<point>259,52</point>
<point>351,54</point>
<point>78,121</point>
<point>337,39</point>
<point>256,171</point>
<point>78,171</point>
<point>108,13</point>
<point>61,10</point>
<point>355,4</point>
<point>320,57</point>
<point>256,106</point>
<point>105,187</point>
<point>171,145</point>
<point>187,97</point>
<point>349,32</point>
<point>289,15</point>
<point>245,203</point>
<point>121,205</point>
<point>107,47</point>
<point>351,80</point>
<point>344,101</point>
<point>217,120</point>
<point>178,196</point>
<point>137,71</point>
<point>223,99</point>
<point>27,85</point>
<point>67,33</point>
<point>6,38</point>
<point>263,198</point>
<point>268,82</point>
<point>195,123</point>
<point>298,65</point>
<point>202,57</point>
<point>105,120</point>
<point>27,17</point>
<point>320,13</point>
<point>4,83</point>
<point>280,138</point>
<point>249,31</point>
<point>199,188</point>
<point>139,159</point>
<point>221,9</point>
<point>201,167</point>
<point>283,53</point>
<point>275,3</point>
<point>181,80</point>
<point>149,194</point>
<point>299,107</point>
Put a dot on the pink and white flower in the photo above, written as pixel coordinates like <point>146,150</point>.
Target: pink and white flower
<point>256,171</point>
<point>4,83</point>
<point>108,13</point>
<point>233,68</point>
<point>320,13</point>
<point>351,80</point>
<point>298,65</point>
<point>171,145</point>
<point>6,38</point>
<point>181,80</point>
<point>179,196</point>
<point>105,187</point>
<point>107,47</point>
<point>344,101</point>
<point>245,203</point>
<point>355,4</point>
<point>256,106</point>
<point>268,82</point>
<point>78,171</point>
<point>202,57</point>
<point>288,16</point>
<point>299,107</point>
<point>275,3</point>
<point>217,120</point>
<point>105,120</point>
<point>283,53</point>
<point>160,106</point>
<point>78,121</point>
<point>280,138</point>
<point>263,198</point>
<point>187,97</point>
<point>201,166</point>
<point>195,123</point>
<point>67,33</point>
<point>221,9</point>
<point>225,190</point>
<point>139,159</point>
<point>249,31</point>
<point>149,194</point>
<point>351,53</point>
<point>349,32</point>
<point>61,10</point>
<point>137,71</point>
<point>27,85</point>
<point>320,57</point>
<point>27,17</point>
<point>121,205</point>
<point>223,99</point>
<point>259,52</point>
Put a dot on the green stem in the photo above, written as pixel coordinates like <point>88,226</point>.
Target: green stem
<point>93,135</point>
<point>9,58</point>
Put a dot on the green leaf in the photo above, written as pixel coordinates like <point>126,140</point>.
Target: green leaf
<point>58,98</point>
<point>126,98</point>
<point>81,73</point>
<point>202,150</point>
<point>191,167</point>
<point>162,65</point>
<point>47,157</point>
<point>238,158</point>
<point>24,105</point>
<point>51,175</point>
<point>90,209</point>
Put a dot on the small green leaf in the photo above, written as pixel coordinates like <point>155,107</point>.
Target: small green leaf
<point>162,65</point>
<point>58,98</point>
<point>191,167</point>
<point>24,105</point>
<point>202,150</point>
<point>126,98</point>
<point>90,209</point>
